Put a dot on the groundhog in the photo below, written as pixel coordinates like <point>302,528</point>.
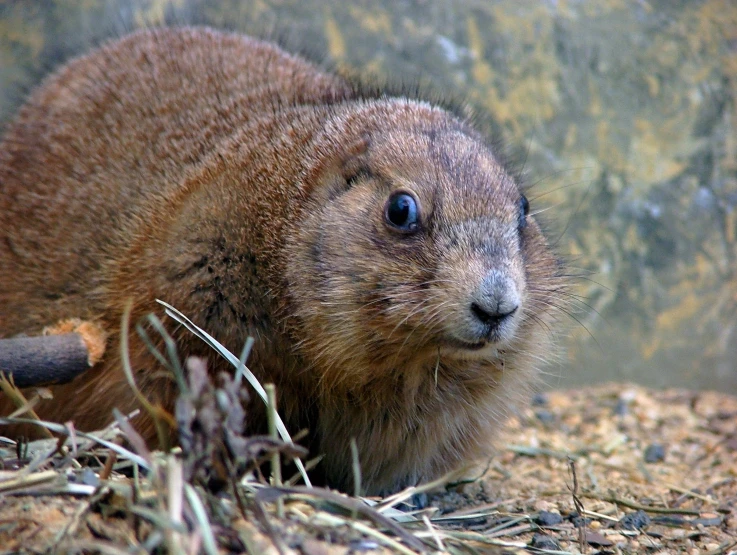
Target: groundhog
<point>386,262</point>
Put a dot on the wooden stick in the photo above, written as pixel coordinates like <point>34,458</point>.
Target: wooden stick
<point>44,360</point>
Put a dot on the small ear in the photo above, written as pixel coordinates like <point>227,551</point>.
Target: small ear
<point>335,173</point>
<point>355,160</point>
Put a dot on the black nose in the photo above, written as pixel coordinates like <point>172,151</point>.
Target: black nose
<point>492,315</point>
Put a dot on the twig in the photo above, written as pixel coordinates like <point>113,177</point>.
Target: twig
<point>348,503</point>
<point>58,428</point>
<point>366,530</point>
<point>208,537</point>
<point>356,471</point>
<point>262,517</point>
<point>638,507</point>
<point>159,416</point>
<point>579,507</point>
<point>28,480</point>
<point>45,359</point>
<point>275,456</point>
<point>24,406</point>
<point>689,493</point>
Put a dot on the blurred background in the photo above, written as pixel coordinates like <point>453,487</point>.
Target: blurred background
<point>623,114</point>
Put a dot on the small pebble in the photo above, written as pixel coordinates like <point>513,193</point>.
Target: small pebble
<point>545,416</point>
<point>363,545</point>
<point>655,452</point>
<point>634,521</point>
<point>540,400</point>
<point>89,477</point>
<point>542,541</point>
<point>621,408</point>
<point>578,521</point>
<point>596,539</point>
<point>419,501</point>
<point>546,518</point>
<point>617,538</point>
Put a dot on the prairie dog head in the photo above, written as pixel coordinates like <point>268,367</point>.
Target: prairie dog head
<point>417,247</point>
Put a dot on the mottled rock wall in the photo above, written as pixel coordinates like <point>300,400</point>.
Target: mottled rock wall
<point>622,111</point>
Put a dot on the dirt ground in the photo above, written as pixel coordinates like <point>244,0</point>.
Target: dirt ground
<point>610,469</point>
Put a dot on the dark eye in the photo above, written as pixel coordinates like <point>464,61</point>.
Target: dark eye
<point>524,210</point>
<point>401,212</point>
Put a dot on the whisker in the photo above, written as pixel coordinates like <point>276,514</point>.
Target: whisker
<point>533,214</point>
<point>566,186</point>
<point>556,173</point>
<point>412,312</point>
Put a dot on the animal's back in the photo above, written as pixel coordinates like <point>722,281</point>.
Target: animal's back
<point>112,134</point>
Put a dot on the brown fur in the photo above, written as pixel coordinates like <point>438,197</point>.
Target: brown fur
<point>247,188</point>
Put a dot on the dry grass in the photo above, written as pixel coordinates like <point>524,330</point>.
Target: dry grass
<point>106,492</point>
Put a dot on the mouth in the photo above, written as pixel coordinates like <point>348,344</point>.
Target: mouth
<point>465,345</point>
